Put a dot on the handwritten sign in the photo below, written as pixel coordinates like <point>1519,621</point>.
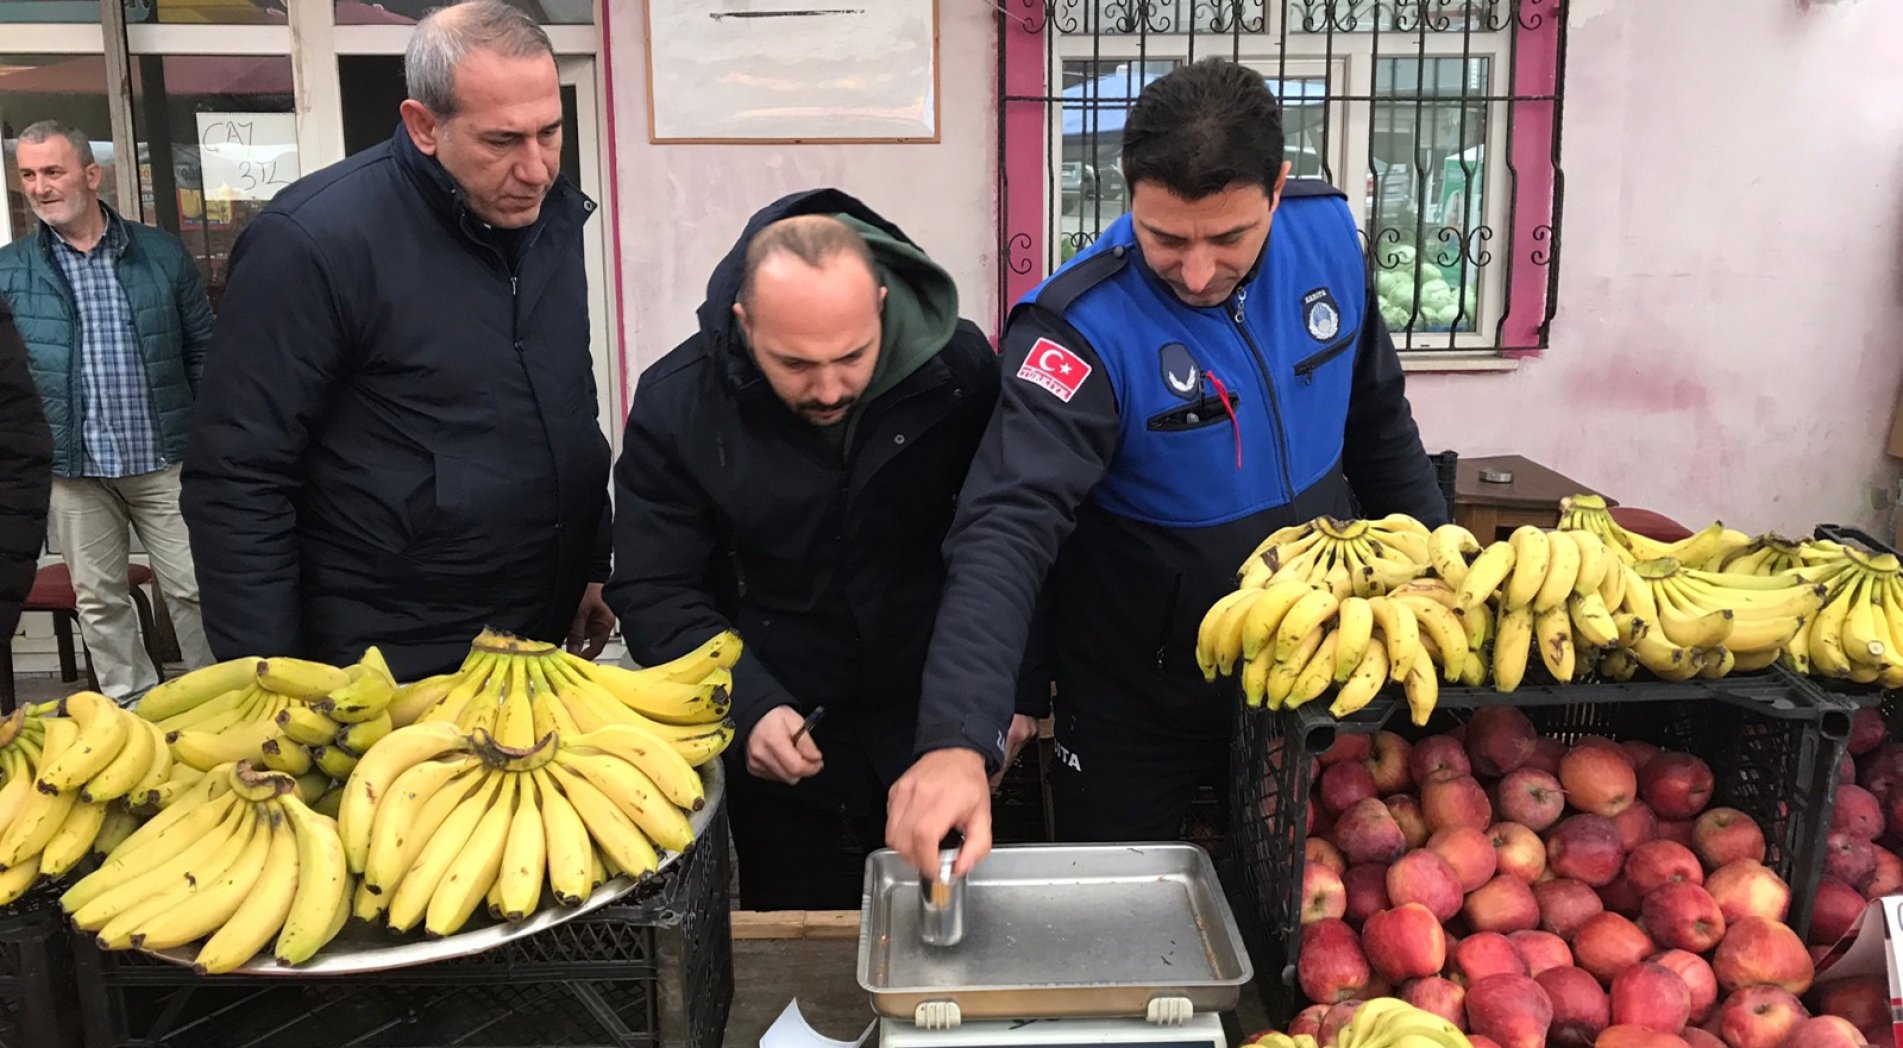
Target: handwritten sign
<point>246,156</point>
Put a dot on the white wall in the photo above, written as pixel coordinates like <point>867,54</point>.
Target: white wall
<point>682,206</point>
<point>1729,341</point>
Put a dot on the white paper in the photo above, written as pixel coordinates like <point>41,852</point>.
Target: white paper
<point>790,1031</point>
<point>246,156</point>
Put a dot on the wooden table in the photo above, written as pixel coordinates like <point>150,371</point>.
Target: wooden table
<point>1492,511</point>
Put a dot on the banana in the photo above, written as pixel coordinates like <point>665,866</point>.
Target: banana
<point>718,652</point>
<point>1751,662</point>
<point>524,856</point>
<point>1612,588</point>
<point>670,772</point>
<point>15,880</point>
<point>636,794</point>
<point>1354,630</point>
<point>1363,683</point>
<point>1223,632</point>
<point>216,715</point>
<point>192,820</point>
<point>306,725</point>
<point>113,830</point>
<point>1511,648</point>
<point>356,738</point>
<point>1400,631</point>
<point>1447,551</point>
<point>480,712</point>
<point>257,920</point>
<point>132,766</point>
<point>1255,679</point>
<point>364,697</point>
<point>1310,612</point>
<point>300,678</point>
<point>568,848</point>
<point>473,680</point>
<point>704,746</point>
<point>211,856</point>
<point>608,825</point>
<point>103,730</point>
<point>283,754</point>
<point>209,905</point>
<point>205,751</point>
<point>1666,660</point>
<point>1266,613</point>
<point>1864,642</point>
<point>74,839</point>
<point>1690,626</point>
<point>1532,556</point>
<point>1562,572</point>
<point>1449,635</point>
<point>468,880</point>
<point>1553,632</point>
<point>1317,675</point>
<point>1827,653</point>
<point>411,700</point>
<point>1590,617</point>
<point>41,814</point>
<point>1289,536</point>
<point>196,688</point>
<point>409,812</point>
<point>411,901</point>
<point>398,751</point>
<point>1429,589</point>
<point>1594,561</point>
<point>515,722</point>
<point>1486,574</point>
<point>322,901</point>
<point>659,699</point>
<point>1716,662</point>
<point>1376,573</point>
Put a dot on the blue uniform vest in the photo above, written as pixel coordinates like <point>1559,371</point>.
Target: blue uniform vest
<point>1282,347</point>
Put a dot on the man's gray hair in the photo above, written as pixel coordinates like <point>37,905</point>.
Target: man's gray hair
<point>36,133</point>
<point>448,35</point>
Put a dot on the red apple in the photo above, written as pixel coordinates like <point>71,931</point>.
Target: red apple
<point>1409,817</point>
<point>1478,1041</point>
<point>1367,832</point>
<point>1696,1037</point>
<point>1443,997</point>
<point>1565,905</point>
<point>1580,1006</point>
<point>1456,800</point>
<point>1631,1035</point>
<point>1435,755</point>
<point>1858,813</point>
<point>1847,771</point>
<point>1387,760</point>
<point>1330,965</point>
<point>1343,785</point>
<point>1636,825</point>
<point>1541,950</point>
<point>1308,1020</point>
<point>1759,1017</point>
<point>1867,731</point>
<point>1348,746</point>
<point>1850,859</point>
<point>1586,848</point>
<point>1622,897</point>
<point>1676,785</point>
<point>1684,917</point>
<point>1883,770</point>
<point>1835,911</point>
<point>1658,863</point>
<point>1423,877</point>
<point>1512,1010</point>
<point>1336,1019</point>
<point>1893,811</point>
<point>1725,835</point>
<point>1323,896</point>
<point>1468,852</point>
<point>1652,996</point>
<point>1826,1031</point>
<point>1504,904</point>
<point>1483,954</point>
<point>1518,851</point>
<point>1639,752</point>
<point>1367,888</point>
<point>1599,779</point>
<point>1678,831</point>
<point>1609,944</point>
<point>1760,952</point>
<point>1318,852</point>
<point>1532,798</point>
<point>1862,999</point>
<point>1698,980</point>
<point>1585,741</point>
<point>1749,889</point>
<point>1499,739</point>
<point>1888,878</point>
<point>1404,943</point>
<point>1546,754</point>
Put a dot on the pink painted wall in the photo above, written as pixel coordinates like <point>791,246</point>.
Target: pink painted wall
<point>1729,341</point>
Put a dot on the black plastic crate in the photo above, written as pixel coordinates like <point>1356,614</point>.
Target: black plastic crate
<point>1773,743</point>
<point>653,972</point>
<point>38,1000</point>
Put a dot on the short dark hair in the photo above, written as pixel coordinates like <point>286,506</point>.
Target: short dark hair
<point>1203,127</point>
<point>813,239</point>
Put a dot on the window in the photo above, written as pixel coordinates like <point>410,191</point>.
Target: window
<point>67,88</point>
<point>1436,117</point>
<point>408,12</point>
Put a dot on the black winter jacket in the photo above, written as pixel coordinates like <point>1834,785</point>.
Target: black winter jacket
<point>26,475</point>
<point>396,442</point>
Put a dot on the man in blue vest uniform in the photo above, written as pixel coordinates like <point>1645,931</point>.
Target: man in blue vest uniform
<point>1212,368</point>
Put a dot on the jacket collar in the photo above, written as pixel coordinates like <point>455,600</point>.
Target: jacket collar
<point>117,237</point>
<point>564,206</point>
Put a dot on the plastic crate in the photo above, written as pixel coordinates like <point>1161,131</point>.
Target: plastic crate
<point>1773,750</point>
<point>656,972</point>
<point>38,1005</point>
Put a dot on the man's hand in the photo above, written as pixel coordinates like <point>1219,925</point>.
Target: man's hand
<point>942,791</point>
<point>1023,730</point>
<point>588,634</point>
<point>772,753</point>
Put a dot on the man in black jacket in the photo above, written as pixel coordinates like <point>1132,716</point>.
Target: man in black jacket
<point>26,475</point>
<point>790,471</point>
<point>396,442</point>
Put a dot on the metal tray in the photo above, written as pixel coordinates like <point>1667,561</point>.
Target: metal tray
<point>361,947</point>
<point>1055,931</point>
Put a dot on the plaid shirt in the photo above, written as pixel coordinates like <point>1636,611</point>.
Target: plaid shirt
<point>119,431</point>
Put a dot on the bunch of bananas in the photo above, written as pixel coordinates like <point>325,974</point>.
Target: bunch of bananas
<point>238,861</point>
<point>1707,549</point>
<point>1277,1039</point>
<point>1857,635</point>
<point>69,783</point>
<point>684,701</point>
<point>306,719</point>
<point>1389,1021</point>
<point>1768,554</point>
<point>438,821</point>
<point>1326,616</point>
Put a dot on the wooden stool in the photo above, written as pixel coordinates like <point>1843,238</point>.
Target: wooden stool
<point>53,593</point>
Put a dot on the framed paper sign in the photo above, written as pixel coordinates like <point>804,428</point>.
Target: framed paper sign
<point>792,70</point>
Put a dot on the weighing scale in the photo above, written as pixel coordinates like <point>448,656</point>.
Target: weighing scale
<point>1054,946</point>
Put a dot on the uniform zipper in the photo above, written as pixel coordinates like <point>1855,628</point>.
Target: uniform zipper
<point>1268,387</point>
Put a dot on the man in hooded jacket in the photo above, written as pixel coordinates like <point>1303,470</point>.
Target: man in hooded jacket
<point>790,471</point>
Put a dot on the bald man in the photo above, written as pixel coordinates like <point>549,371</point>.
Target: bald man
<point>791,471</point>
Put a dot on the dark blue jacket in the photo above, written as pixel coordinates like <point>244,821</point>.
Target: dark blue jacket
<point>1141,449</point>
<point>397,440</point>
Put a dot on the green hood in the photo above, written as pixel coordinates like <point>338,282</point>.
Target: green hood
<point>920,314</point>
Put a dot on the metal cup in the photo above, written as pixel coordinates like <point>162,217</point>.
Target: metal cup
<point>941,904</point>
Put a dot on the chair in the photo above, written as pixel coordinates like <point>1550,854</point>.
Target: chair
<point>53,593</point>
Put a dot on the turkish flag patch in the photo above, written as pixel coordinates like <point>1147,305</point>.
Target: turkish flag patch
<point>1055,369</point>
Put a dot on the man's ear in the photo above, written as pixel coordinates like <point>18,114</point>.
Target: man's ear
<point>423,126</point>
<point>1275,198</point>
